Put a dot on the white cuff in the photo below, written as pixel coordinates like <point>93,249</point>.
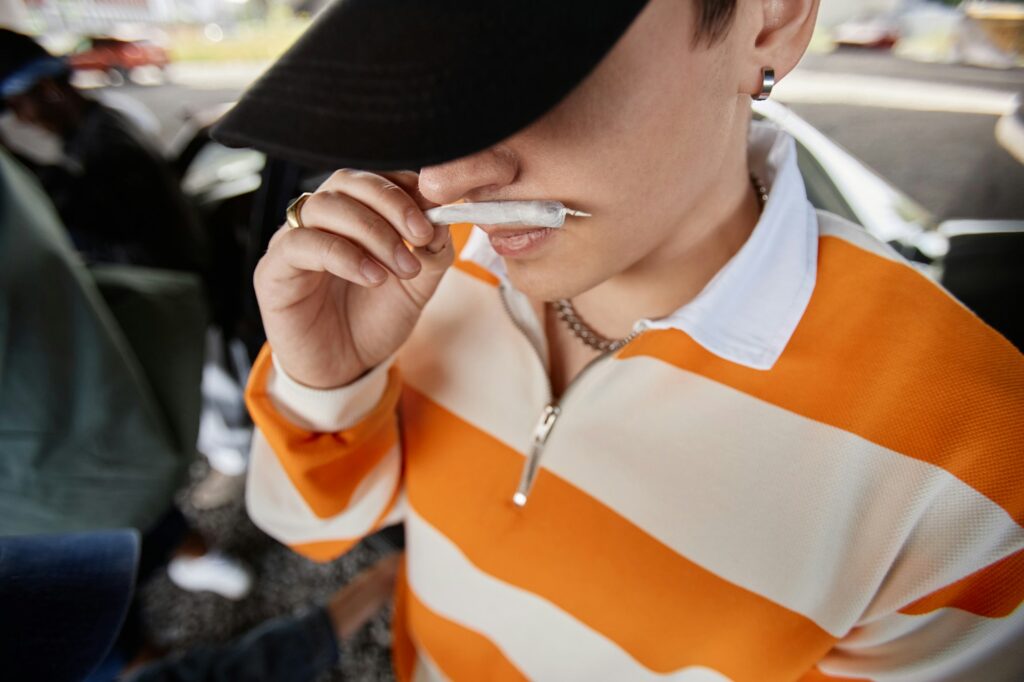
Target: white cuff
<point>327,410</point>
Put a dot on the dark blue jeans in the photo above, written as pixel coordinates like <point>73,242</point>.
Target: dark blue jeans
<point>286,649</point>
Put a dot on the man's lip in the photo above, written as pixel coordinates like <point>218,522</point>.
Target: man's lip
<point>509,230</point>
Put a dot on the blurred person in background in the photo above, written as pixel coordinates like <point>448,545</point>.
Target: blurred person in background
<point>99,385</point>
<point>116,195</point>
<point>84,443</point>
<point>121,204</point>
<point>72,591</point>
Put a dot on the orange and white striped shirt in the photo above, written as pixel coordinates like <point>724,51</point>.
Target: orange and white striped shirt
<point>812,471</point>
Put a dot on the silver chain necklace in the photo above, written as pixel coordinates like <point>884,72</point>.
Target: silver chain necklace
<point>582,331</point>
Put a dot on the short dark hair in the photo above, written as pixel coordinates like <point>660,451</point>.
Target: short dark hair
<point>714,19</point>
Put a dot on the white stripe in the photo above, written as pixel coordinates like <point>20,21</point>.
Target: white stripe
<point>326,410</point>
<point>830,225</point>
<point>807,515</point>
<point>277,508</point>
<point>397,513</point>
<point>948,644</point>
<point>891,93</point>
<point>452,354</point>
<point>540,639</point>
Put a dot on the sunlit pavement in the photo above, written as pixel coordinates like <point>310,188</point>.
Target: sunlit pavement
<point>216,76</point>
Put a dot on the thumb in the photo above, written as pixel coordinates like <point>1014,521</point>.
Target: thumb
<point>435,259</point>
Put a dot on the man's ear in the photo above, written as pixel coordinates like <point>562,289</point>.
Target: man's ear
<point>785,31</point>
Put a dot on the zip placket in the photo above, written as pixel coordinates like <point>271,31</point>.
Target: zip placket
<point>540,437</point>
<point>552,411</point>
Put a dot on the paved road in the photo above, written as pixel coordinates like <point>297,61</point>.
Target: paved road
<point>879,63</point>
<point>949,162</point>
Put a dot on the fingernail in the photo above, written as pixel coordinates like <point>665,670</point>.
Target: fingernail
<point>418,224</point>
<point>373,272</point>
<point>407,262</point>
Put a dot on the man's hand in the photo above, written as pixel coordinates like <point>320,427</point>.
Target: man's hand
<point>342,293</point>
<point>352,606</point>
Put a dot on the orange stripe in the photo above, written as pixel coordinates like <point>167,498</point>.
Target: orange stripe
<point>565,546</point>
<point>326,468</point>
<point>993,592</point>
<point>883,353</point>
<point>403,651</point>
<point>460,653</point>
<point>460,235</point>
<point>815,675</point>
<point>325,551</point>
<point>329,550</point>
<point>474,270</point>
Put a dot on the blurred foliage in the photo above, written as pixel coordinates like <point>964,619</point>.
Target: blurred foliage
<point>243,41</point>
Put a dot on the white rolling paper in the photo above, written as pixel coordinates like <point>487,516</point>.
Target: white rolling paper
<point>532,213</point>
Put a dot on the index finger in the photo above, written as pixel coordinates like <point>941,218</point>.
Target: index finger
<point>410,182</point>
<point>384,197</point>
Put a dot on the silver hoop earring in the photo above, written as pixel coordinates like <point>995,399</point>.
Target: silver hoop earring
<point>767,84</point>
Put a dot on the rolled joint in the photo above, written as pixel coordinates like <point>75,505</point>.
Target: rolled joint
<point>529,213</point>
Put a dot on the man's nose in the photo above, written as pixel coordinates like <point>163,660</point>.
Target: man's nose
<point>476,177</point>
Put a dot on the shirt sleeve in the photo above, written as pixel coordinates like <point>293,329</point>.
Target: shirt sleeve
<point>326,465</point>
<point>971,629</point>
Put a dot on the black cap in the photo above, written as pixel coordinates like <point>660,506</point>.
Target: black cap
<point>389,84</point>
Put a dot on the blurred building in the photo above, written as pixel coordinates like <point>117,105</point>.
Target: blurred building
<point>834,12</point>
<point>99,16</point>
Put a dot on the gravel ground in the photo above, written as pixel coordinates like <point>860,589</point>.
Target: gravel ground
<point>284,583</point>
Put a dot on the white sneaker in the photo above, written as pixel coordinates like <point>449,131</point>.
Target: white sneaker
<point>211,572</point>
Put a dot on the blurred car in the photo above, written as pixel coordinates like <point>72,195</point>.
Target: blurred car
<point>872,31</point>
<point>243,195</point>
<point>116,57</point>
<point>1010,129</point>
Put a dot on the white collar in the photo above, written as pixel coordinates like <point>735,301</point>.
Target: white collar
<point>750,308</point>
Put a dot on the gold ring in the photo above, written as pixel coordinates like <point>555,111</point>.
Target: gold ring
<point>291,214</point>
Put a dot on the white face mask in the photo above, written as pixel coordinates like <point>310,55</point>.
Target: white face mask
<point>38,145</point>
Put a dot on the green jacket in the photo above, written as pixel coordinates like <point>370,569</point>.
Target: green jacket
<point>99,398</point>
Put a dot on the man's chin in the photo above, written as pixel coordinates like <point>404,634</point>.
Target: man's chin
<point>541,282</point>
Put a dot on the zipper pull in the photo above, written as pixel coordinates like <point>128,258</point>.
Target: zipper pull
<point>540,437</point>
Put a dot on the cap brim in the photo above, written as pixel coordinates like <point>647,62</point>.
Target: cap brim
<point>64,601</point>
<point>405,83</point>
